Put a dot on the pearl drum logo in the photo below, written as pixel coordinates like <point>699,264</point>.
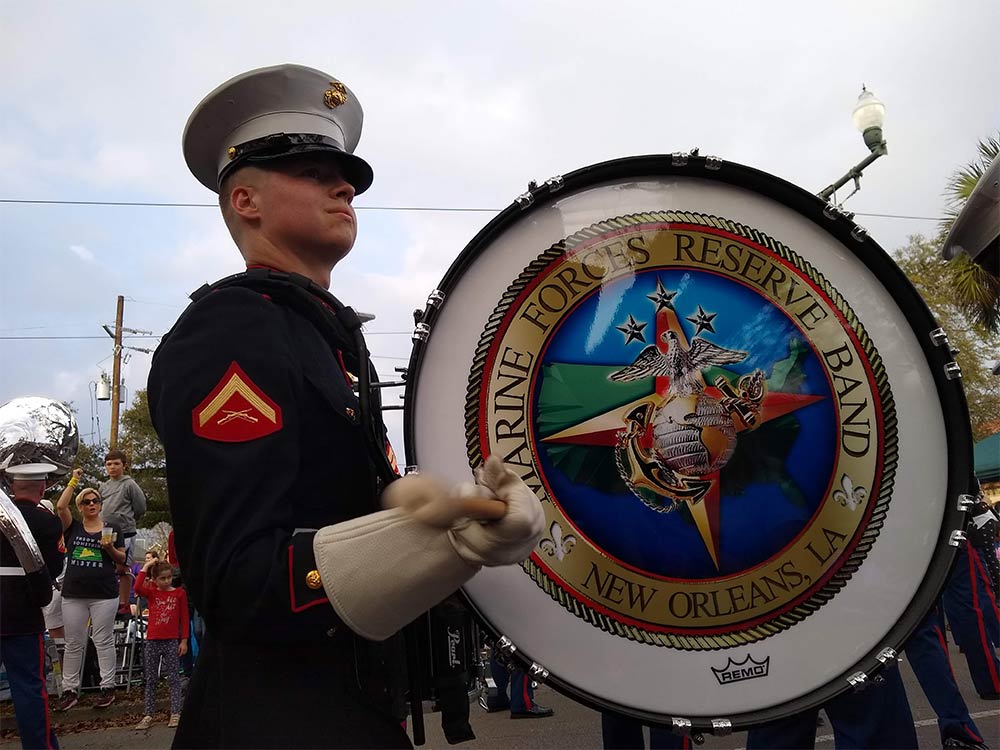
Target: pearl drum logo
<point>706,422</point>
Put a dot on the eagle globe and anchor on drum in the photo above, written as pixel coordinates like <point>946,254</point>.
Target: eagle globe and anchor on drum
<point>709,427</point>
<point>693,433</point>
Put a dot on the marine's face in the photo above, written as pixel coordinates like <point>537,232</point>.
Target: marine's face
<point>305,208</point>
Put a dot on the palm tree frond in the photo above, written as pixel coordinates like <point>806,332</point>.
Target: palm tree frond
<point>963,181</point>
<point>977,292</point>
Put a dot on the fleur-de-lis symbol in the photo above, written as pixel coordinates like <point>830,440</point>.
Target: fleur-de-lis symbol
<point>558,546</point>
<point>850,496</point>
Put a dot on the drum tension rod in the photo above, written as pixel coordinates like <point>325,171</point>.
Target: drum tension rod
<point>858,681</point>
<point>680,158</point>
<point>537,672</point>
<point>721,727</point>
<point>886,655</point>
<point>554,185</point>
<point>421,333</point>
<point>682,726</point>
<point>939,337</point>
<point>505,650</point>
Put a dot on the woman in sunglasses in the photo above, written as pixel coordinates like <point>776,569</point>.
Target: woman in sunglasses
<point>90,591</point>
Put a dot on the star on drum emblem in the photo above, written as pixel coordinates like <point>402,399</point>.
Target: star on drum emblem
<point>671,445</point>
<point>703,321</point>
<point>663,299</point>
<point>632,330</point>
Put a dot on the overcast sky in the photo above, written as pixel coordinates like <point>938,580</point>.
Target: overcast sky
<point>464,104</point>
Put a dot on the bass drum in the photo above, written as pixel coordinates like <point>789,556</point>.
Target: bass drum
<point>746,430</point>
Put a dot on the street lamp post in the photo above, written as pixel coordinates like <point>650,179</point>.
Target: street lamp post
<point>868,117</point>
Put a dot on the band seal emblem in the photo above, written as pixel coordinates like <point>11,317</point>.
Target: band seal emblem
<point>674,426</point>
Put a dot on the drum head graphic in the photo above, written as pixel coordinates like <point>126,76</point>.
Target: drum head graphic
<point>734,411</point>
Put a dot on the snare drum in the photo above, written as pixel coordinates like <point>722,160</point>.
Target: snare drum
<point>746,430</point>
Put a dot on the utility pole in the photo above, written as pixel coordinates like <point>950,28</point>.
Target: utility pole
<point>116,376</point>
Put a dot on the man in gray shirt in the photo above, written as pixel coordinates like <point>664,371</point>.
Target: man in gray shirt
<point>124,505</point>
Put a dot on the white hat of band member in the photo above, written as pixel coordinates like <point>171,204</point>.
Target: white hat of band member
<point>274,112</point>
<point>30,472</point>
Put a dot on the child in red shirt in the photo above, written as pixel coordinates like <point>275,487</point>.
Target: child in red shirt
<point>166,635</point>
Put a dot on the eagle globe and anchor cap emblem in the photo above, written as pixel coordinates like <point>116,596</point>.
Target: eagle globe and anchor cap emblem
<point>708,425</point>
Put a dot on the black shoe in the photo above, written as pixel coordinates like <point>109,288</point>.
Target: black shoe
<point>954,743</point>
<point>535,712</point>
<point>989,696</point>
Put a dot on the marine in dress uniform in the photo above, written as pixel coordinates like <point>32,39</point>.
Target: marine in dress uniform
<point>22,625</point>
<point>624,733</point>
<point>927,650</point>
<point>970,605</point>
<point>877,718</point>
<point>274,486</point>
<point>521,700</point>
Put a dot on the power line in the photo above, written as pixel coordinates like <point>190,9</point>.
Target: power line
<point>73,338</point>
<point>451,209</point>
<point>899,216</point>
<point>67,338</point>
<point>151,204</point>
<point>150,302</point>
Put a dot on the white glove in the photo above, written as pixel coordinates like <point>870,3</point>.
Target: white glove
<point>510,539</point>
<point>428,501</point>
<point>382,570</point>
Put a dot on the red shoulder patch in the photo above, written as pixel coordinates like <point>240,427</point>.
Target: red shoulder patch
<point>236,410</point>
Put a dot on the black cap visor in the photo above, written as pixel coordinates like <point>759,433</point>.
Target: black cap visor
<point>282,145</point>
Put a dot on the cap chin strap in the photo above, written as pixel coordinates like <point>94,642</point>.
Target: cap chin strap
<point>340,326</point>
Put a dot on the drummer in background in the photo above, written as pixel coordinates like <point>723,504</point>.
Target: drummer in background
<point>22,626</point>
<point>271,469</point>
<point>970,604</point>
<point>927,651</point>
<point>877,718</point>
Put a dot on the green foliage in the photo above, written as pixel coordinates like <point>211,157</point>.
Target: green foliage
<point>921,261</point>
<point>964,180</point>
<point>147,464</point>
<point>975,290</point>
<point>137,437</point>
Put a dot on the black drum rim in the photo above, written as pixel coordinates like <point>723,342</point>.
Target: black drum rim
<point>840,225</point>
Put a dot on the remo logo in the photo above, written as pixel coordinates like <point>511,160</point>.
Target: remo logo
<point>708,426</point>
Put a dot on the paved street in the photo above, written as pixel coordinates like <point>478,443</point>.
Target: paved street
<point>573,725</point>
